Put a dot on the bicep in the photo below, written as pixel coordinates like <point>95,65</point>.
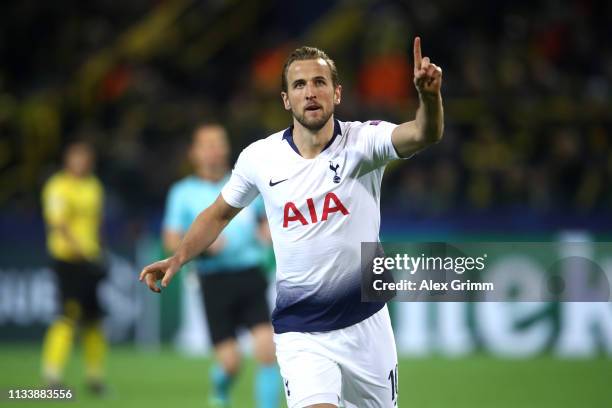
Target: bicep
<point>406,140</point>
<point>224,211</point>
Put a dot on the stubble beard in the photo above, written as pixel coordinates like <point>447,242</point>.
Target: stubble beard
<point>313,125</point>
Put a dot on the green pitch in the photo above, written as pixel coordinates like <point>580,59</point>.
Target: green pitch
<point>160,380</point>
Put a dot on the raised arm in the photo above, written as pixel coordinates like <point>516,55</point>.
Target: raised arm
<point>203,232</point>
<point>410,137</point>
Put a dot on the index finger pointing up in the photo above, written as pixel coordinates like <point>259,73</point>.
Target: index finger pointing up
<point>417,53</point>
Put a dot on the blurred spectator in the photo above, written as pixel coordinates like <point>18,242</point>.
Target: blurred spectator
<point>527,105</point>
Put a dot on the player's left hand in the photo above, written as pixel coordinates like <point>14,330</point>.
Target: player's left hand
<point>427,75</point>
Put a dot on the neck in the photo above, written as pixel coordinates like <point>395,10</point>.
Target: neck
<point>76,174</point>
<point>213,174</point>
<point>311,142</point>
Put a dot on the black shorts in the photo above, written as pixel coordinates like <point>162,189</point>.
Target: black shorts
<point>78,285</point>
<point>232,300</point>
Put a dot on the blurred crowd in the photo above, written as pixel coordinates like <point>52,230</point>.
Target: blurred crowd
<point>527,89</point>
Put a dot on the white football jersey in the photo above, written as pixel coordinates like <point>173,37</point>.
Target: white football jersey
<point>319,211</point>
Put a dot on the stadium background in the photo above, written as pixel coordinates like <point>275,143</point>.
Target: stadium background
<point>526,156</point>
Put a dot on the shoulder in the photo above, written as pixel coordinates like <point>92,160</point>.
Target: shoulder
<point>262,147</point>
<point>354,129</point>
<point>366,132</point>
<point>96,183</point>
<point>181,186</point>
<point>354,132</point>
<point>364,127</point>
<point>55,183</point>
<point>350,125</point>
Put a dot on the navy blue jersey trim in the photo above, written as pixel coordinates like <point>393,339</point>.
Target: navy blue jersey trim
<point>285,321</point>
<point>288,136</point>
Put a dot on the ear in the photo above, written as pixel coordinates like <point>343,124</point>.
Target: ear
<point>338,95</point>
<point>285,98</point>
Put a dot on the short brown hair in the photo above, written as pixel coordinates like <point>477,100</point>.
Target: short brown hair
<point>309,53</point>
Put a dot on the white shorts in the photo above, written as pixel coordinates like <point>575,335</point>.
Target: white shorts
<point>351,367</point>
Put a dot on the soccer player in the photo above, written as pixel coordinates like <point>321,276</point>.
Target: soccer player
<point>320,181</point>
<point>233,286</point>
<point>72,203</point>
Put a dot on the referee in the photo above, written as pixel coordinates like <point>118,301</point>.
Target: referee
<point>233,286</point>
<point>72,204</point>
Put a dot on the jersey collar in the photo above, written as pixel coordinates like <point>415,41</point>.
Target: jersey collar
<point>288,136</point>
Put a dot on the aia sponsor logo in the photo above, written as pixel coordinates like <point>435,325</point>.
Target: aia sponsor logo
<point>331,205</point>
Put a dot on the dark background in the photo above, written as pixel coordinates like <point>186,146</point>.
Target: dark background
<point>527,90</point>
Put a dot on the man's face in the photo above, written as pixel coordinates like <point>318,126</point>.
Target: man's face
<point>210,147</point>
<point>311,96</point>
<point>79,160</point>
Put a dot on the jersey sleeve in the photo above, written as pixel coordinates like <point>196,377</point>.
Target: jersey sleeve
<point>55,203</point>
<point>173,215</point>
<point>241,189</point>
<point>378,141</point>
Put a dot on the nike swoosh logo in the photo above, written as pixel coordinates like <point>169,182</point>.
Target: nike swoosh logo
<point>273,183</point>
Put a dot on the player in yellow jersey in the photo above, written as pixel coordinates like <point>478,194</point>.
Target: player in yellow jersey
<point>72,203</point>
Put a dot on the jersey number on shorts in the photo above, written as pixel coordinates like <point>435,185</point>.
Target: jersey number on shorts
<point>393,378</point>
